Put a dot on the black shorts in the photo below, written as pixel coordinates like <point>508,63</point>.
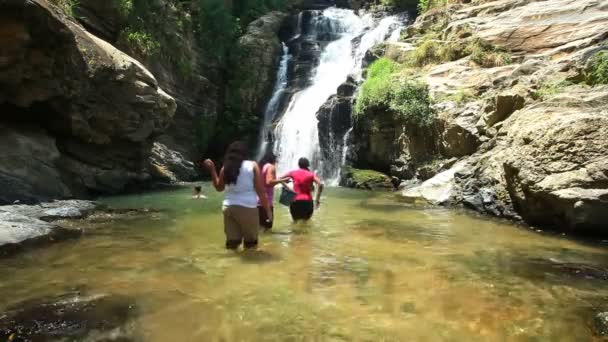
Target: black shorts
<point>301,210</point>
<point>263,217</point>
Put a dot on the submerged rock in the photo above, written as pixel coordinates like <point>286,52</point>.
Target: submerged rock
<point>70,317</point>
<point>600,324</point>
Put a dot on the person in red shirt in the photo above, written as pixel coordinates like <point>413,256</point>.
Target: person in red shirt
<point>303,179</point>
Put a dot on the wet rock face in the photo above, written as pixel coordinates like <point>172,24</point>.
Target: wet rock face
<point>335,120</point>
<point>70,317</point>
<point>95,109</point>
<point>386,144</point>
<point>260,50</point>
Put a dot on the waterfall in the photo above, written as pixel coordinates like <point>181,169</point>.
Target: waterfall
<point>273,105</point>
<point>349,37</point>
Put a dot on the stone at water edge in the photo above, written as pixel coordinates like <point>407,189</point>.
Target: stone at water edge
<point>366,179</point>
<point>440,189</point>
<point>23,226</point>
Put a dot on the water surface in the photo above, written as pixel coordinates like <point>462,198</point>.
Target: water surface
<point>365,269</point>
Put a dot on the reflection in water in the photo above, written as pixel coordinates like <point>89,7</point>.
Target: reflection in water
<point>365,269</point>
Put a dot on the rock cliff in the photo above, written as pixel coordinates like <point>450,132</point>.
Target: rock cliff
<point>78,115</point>
<point>94,101</point>
<point>528,131</point>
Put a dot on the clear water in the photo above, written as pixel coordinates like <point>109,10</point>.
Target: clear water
<point>365,269</point>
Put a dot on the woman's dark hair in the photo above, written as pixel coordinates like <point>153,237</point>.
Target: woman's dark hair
<point>303,163</point>
<point>198,188</point>
<point>269,157</point>
<point>233,159</point>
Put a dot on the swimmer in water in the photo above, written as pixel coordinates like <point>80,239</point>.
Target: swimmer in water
<point>197,193</point>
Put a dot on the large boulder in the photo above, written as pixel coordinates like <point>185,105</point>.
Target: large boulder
<point>100,108</point>
<point>335,121</point>
<point>548,162</point>
<point>365,179</point>
<point>555,165</point>
<point>386,144</point>
<point>31,225</point>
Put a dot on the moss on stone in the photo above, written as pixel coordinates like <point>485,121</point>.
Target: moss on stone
<point>365,179</point>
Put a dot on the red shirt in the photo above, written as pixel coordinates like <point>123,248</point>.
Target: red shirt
<point>302,184</point>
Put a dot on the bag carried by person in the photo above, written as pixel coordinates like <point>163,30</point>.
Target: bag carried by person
<point>287,196</point>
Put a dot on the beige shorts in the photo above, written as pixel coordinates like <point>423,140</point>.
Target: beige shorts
<point>241,225</point>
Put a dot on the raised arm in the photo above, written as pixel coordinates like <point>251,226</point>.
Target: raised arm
<point>259,189</point>
<point>317,181</point>
<point>218,180</point>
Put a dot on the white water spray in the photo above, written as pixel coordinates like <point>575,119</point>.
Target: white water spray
<point>297,132</point>
<point>273,105</point>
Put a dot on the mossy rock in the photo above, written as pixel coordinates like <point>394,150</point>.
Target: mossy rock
<point>366,179</point>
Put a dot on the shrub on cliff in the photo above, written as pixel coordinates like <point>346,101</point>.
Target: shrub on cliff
<point>432,50</point>
<point>375,91</point>
<point>409,101</point>
<point>597,69</point>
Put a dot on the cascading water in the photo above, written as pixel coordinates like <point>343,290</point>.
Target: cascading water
<point>296,133</point>
<point>273,105</point>
<point>351,36</point>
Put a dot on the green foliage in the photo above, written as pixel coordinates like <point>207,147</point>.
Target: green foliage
<point>425,5</point>
<point>597,70</point>
<point>66,5</point>
<point>361,176</point>
<point>142,42</point>
<point>376,88</point>
<point>548,89</point>
<point>217,27</point>
<point>125,7</point>
<point>400,4</point>
<point>409,101</point>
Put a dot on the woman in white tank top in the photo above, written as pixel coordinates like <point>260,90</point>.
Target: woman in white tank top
<point>242,183</point>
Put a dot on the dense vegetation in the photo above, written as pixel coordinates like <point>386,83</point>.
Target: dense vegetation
<point>385,89</point>
<point>597,70</point>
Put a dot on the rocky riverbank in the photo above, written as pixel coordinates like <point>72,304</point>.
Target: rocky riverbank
<point>517,114</point>
<point>30,226</point>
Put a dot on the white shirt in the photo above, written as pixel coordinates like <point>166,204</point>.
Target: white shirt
<point>243,192</point>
